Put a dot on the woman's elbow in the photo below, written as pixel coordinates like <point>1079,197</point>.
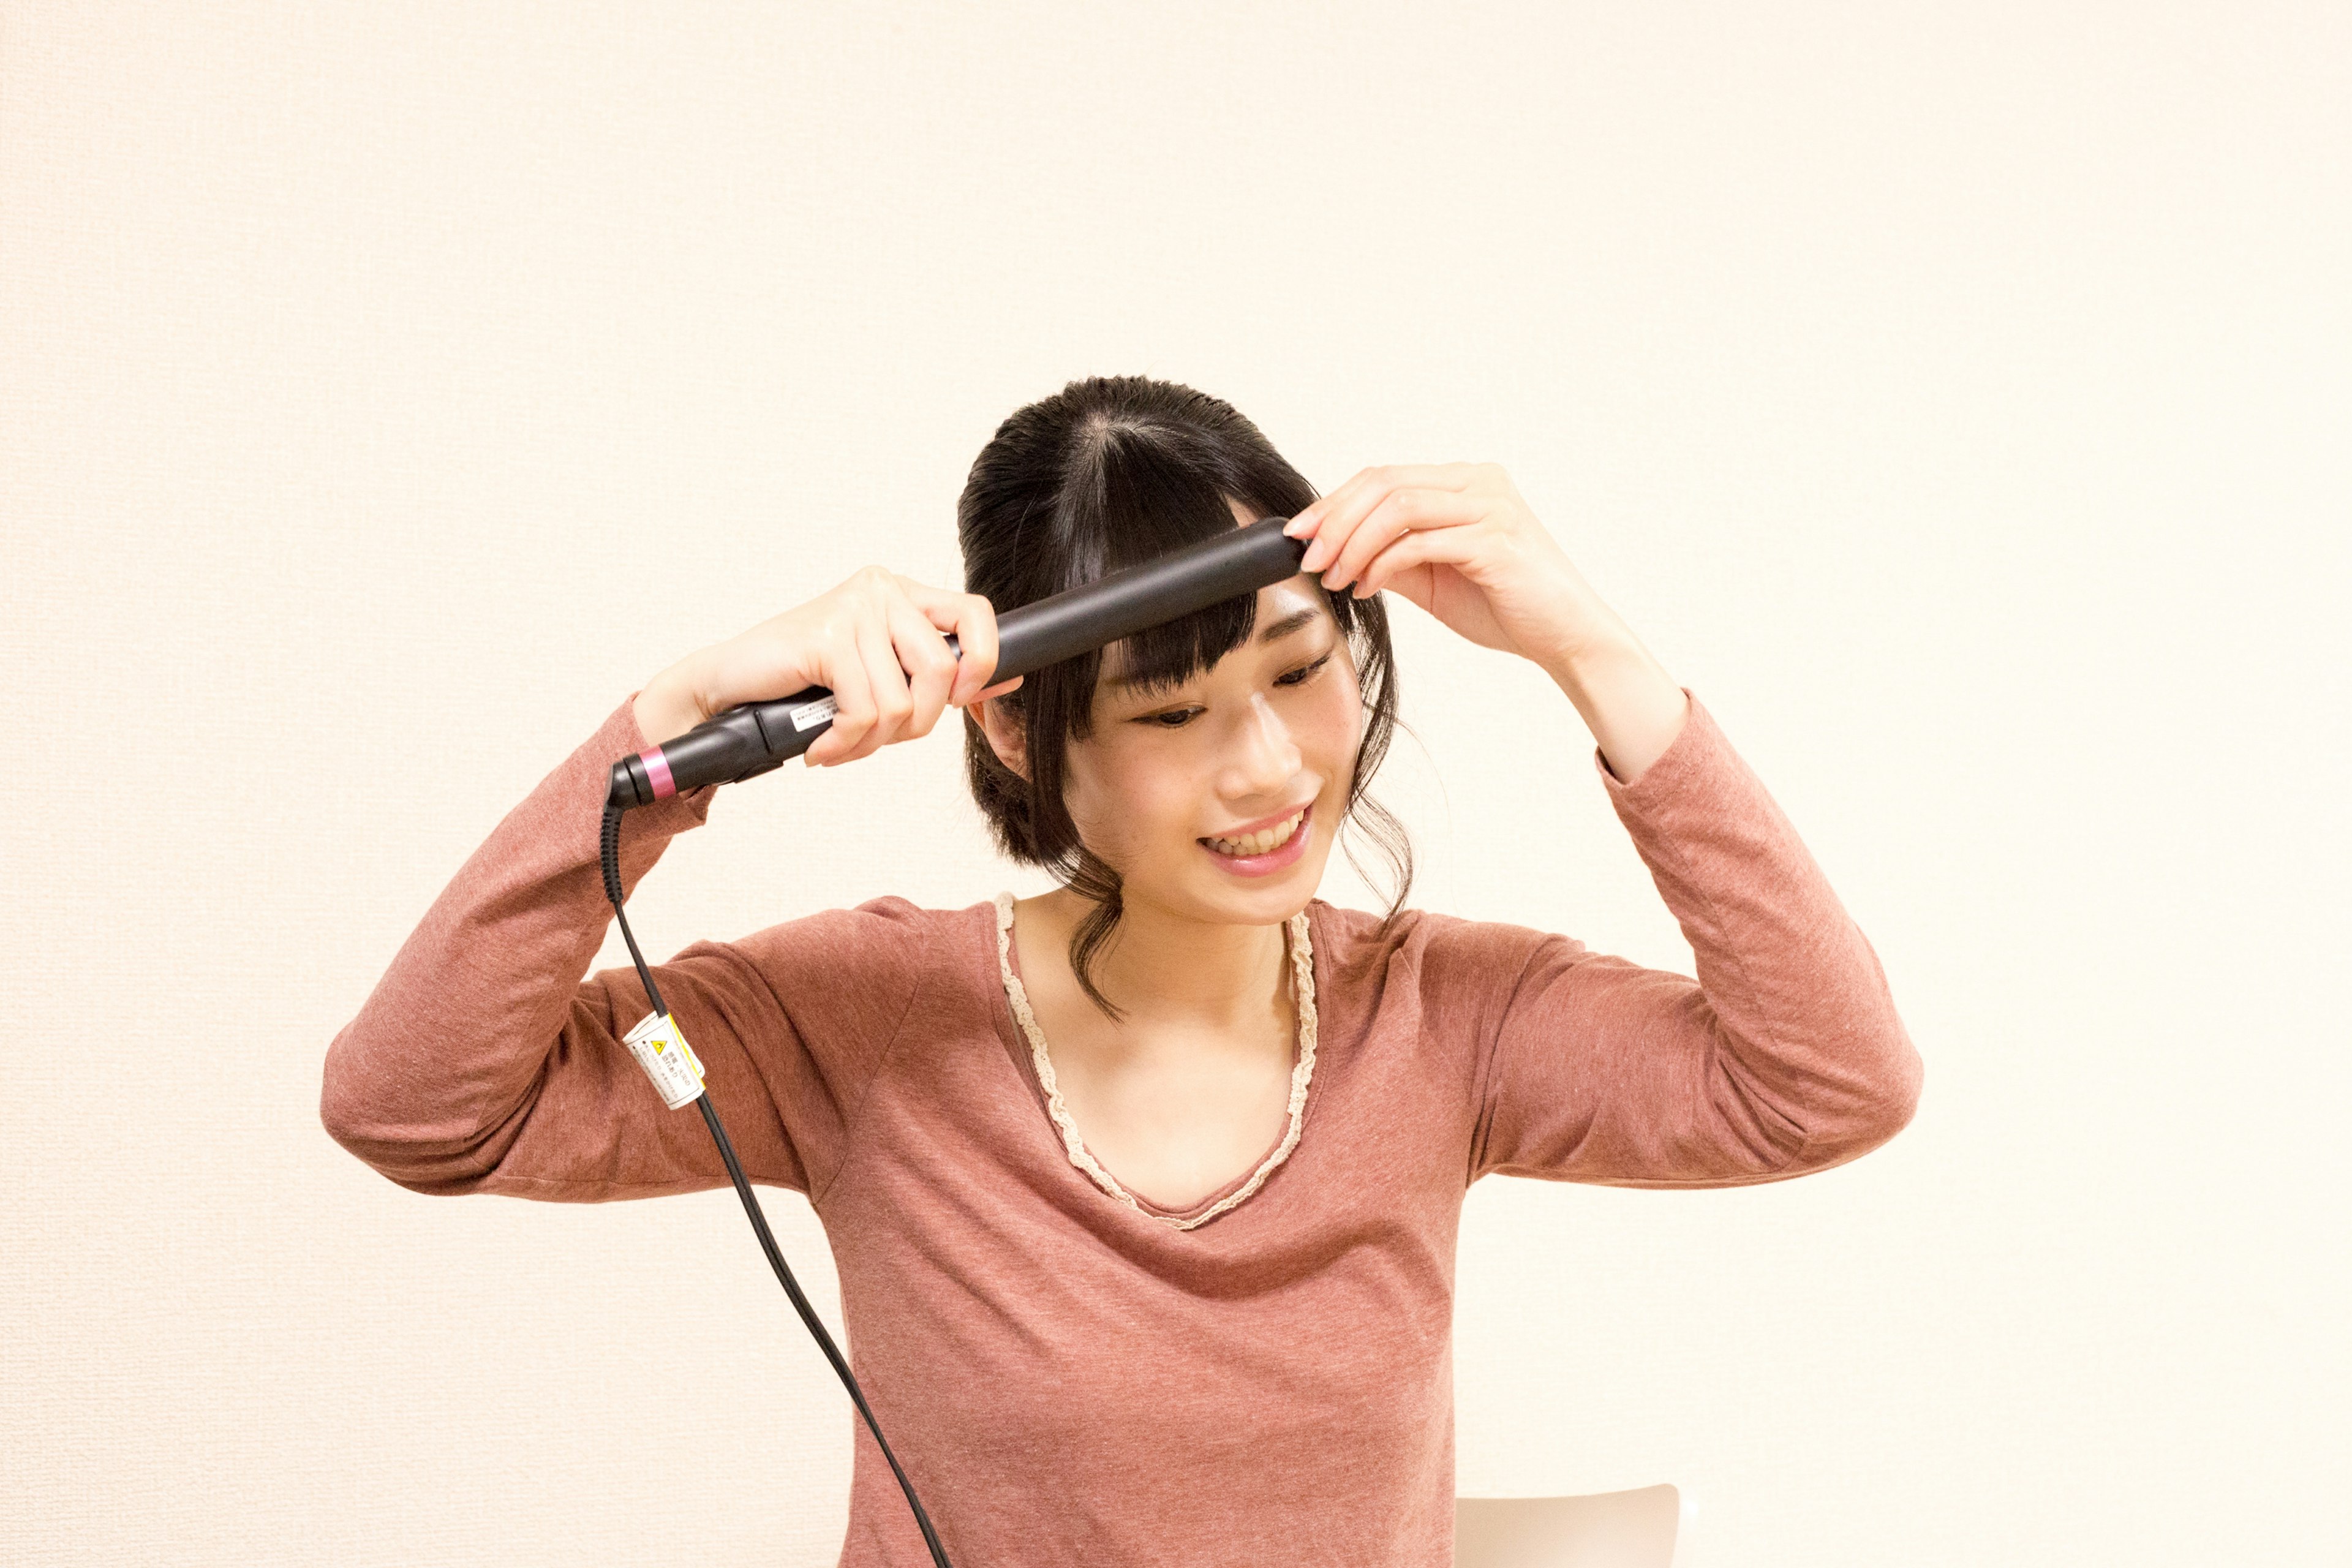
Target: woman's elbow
<point>368,1123</point>
<point>1893,1098</point>
<point>1871,1105</point>
<point>352,1110</point>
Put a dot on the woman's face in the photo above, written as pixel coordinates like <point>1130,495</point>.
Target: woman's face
<point>1172,786</point>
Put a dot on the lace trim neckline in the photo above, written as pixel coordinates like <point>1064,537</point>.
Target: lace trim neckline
<point>1302,978</point>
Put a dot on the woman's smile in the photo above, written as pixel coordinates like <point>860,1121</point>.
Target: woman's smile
<point>1266,851</point>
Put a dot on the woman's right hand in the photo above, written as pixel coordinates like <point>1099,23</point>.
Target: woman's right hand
<point>859,640</point>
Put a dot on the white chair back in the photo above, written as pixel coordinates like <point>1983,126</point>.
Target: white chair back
<point>1605,1530</point>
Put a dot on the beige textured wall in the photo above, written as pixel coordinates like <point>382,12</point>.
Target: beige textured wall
<point>1956,398</point>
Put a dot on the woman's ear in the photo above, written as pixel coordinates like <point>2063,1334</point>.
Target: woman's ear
<point>1005,735</point>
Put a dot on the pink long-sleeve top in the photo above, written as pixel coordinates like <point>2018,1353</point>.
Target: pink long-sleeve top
<point>1073,1375</point>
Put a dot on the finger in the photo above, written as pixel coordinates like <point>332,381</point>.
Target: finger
<point>1365,483</point>
<point>1335,515</point>
<point>1346,508</point>
<point>853,703</point>
<point>1408,566</point>
<point>939,609</point>
<point>1313,519</point>
<point>1398,512</point>
<point>976,645</point>
<point>999,689</point>
<point>973,621</point>
<point>893,703</point>
<point>1306,518</point>
<point>1358,493</point>
<point>932,669</point>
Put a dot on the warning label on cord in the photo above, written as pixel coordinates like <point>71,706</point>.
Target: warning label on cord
<point>667,1060</point>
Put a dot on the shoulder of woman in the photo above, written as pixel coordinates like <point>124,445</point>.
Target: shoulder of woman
<point>1449,957</point>
<point>869,954</point>
<point>1437,944</point>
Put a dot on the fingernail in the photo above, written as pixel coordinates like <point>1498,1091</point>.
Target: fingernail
<point>1292,527</point>
<point>1313,560</point>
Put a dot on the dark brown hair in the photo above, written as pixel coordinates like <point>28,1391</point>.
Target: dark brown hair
<point>1109,472</point>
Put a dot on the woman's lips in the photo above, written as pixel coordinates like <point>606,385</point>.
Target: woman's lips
<point>1263,822</point>
<point>1283,854</point>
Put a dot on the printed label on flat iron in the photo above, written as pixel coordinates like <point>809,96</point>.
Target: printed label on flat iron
<point>661,1049</point>
<point>809,715</point>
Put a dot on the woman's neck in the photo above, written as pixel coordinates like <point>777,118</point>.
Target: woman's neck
<point>1164,968</point>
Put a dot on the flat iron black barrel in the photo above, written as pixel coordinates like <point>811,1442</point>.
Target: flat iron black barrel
<point>1125,603</point>
<point>752,738</point>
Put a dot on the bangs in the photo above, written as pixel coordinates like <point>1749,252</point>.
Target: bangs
<point>1134,497</point>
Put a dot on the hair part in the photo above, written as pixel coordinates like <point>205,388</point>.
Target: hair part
<point>1111,472</point>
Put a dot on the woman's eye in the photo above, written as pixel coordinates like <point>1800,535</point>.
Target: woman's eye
<point>1303,673</point>
<point>1177,718</point>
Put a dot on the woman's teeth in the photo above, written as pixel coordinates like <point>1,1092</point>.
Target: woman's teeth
<point>1260,842</point>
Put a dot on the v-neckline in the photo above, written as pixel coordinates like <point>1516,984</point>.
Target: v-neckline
<point>1300,951</point>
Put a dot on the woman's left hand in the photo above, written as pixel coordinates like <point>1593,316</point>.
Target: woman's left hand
<point>1458,540</point>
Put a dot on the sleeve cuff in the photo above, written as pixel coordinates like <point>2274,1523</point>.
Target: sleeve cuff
<point>1693,756</point>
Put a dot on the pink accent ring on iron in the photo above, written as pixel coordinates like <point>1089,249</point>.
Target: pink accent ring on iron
<point>657,770</point>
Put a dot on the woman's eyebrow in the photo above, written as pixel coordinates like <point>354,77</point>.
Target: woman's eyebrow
<point>1273,631</point>
<point>1277,630</point>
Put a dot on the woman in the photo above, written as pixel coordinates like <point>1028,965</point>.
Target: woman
<point>1143,1193</point>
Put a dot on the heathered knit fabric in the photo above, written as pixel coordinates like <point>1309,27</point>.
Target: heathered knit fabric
<point>1069,1379</point>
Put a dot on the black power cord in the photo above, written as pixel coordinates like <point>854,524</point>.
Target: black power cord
<point>612,857</point>
<point>754,737</point>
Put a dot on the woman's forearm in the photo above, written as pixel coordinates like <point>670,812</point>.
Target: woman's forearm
<point>1633,708</point>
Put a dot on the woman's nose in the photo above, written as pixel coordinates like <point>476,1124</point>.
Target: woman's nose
<point>1265,759</point>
